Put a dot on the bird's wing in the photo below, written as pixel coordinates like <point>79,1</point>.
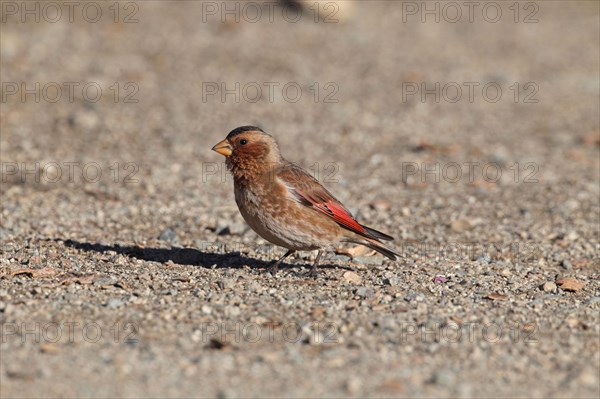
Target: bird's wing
<point>306,190</point>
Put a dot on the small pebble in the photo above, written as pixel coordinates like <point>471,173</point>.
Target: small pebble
<point>206,309</point>
<point>391,281</point>
<point>461,225</point>
<point>114,303</point>
<point>549,286</point>
<point>364,292</point>
<point>230,229</point>
<point>351,277</point>
<point>226,283</point>
<point>168,235</point>
<point>483,258</point>
<point>566,264</point>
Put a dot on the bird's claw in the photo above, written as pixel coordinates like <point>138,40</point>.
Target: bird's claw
<point>273,269</point>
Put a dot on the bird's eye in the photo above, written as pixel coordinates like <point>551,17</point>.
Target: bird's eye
<point>243,142</point>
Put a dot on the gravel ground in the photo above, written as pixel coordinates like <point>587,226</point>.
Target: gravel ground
<point>127,270</point>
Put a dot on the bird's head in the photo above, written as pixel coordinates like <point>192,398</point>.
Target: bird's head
<point>248,149</point>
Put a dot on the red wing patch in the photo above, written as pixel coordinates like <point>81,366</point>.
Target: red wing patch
<point>333,209</point>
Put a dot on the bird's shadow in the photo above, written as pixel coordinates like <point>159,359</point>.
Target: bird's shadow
<point>181,256</point>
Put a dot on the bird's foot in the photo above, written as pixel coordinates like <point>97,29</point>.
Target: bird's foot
<point>273,269</point>
<point>313,270</point>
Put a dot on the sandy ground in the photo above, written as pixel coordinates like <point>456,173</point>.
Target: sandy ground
<point>127,271</point>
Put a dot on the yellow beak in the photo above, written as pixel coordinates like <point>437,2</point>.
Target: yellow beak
<point>223,148</point>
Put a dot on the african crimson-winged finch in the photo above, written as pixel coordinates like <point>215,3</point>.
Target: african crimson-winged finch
<point>284,204</point>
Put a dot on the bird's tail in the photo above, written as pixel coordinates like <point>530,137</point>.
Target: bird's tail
<point>376,245</point>
<point>377,234</point>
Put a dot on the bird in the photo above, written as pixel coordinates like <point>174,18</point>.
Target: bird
<point>287,206</point>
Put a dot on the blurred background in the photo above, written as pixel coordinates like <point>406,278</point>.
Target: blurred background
<point>109,110</point>
<point>153,91</point>
<point>163,83</point>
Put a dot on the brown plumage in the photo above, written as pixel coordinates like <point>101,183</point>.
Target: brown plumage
<point>284,204</point>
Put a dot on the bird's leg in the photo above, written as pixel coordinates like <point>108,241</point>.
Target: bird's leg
<point>273,269</point>
<point>313,269</point>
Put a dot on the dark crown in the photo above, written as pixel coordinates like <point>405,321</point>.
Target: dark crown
<point>243,129</point>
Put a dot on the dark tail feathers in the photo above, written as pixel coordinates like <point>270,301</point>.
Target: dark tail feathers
<point>382,249</point>
<point>374,244</point>
<point>377,234</point>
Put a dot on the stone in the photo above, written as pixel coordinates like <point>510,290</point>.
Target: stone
<point>461,225</point>
<point>391,281</point>
<point>168,235</point>
<point>549,286</point>
<point>351,277</point>
<point>566,264</point>
<point>365,292</point>
<point>570,284</point>
<point>114,303</point>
